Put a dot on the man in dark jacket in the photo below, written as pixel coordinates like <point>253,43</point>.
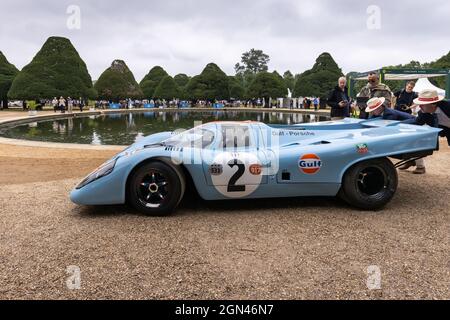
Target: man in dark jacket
<point>405,98</point>
<point>339,101</point>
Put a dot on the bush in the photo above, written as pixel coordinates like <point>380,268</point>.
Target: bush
<point>267,85</point>
<point>151,81</point>
<point>181,80</point>
<point>211,84</point>
<point>56,70</point>
<point>320,80</point>
<point>117,82</point>
<point>167,89</point>
<point>7,74</point>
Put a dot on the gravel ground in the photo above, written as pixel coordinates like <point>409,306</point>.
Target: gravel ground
<point>269,249</point>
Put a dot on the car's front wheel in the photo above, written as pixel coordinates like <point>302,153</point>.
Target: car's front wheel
<point>370,184</point>
<point>155,188</point>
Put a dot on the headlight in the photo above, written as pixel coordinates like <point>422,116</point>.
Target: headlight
<point>101,171</point>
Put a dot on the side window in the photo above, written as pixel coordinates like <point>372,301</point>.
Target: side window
<point>234,137</point>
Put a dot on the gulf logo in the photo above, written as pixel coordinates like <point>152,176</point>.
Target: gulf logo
<point>310,164</point>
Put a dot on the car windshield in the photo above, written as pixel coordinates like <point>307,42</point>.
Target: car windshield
<point>199,137</point>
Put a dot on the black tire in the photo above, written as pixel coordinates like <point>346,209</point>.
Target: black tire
<point>155,188</point>
<point>370,185</point>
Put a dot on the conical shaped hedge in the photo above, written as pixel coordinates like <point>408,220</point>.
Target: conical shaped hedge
<point>7,74</point>
<point>167,89</point>
<point>152,80</point>
<point>56,70</point>
<point>318,81</point>
<point>211,84</point>
<point>181,80</point>
<point>117,82</point>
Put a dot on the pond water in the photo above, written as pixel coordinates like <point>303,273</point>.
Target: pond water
<point>127,128</point>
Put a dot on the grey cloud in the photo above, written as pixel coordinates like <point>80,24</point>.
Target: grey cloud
<point>183,36</point>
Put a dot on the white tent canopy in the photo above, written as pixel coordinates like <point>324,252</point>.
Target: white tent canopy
<point>424,83</point>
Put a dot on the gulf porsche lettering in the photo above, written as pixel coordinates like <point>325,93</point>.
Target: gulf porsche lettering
<point>292,133</point>
<point>310,164</point>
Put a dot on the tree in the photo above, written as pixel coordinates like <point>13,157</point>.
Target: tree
<point>245,79</point>
<point>152,80</point>
<point>267,85</point>
<point>117,82</point>
<point>253,61</point>
<point>181,80</point>
<point>320,80</point>
<point>237,91</point>
<point>289,80</point>
<point>441,63</point>
<point>211,84</point>
<point>56,70</point>
<point>7,74</point>
<point>167,89</point>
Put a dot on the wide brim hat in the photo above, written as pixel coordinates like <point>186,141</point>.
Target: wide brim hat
<point>375,103</point>
<point>428,97</point>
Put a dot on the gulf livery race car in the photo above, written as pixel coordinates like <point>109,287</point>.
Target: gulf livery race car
<point>351,158</point>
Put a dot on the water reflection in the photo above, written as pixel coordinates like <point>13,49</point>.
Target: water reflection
<point>124,129</point>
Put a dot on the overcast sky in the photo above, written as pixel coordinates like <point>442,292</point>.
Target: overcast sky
<point>183,36</point>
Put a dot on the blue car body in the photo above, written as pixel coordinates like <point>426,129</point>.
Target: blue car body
<point>278,160</point>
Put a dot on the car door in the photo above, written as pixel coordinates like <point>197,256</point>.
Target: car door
<point>234,167</point>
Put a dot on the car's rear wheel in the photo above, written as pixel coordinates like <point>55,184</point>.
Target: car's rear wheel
<point>155,188</point>
<point>370,184</point>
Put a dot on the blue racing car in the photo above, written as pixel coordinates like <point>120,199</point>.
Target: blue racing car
<point>246,160</point>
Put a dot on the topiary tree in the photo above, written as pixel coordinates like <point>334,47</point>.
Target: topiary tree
<point>7,74</point>
<point>56,70</point>
<point>117,82</point>
<point>181,80</point>
<point>167,89</point>
<point>211,84</point>
<point>267,85</point>
<point>152,80</point>
<point>320,80</point>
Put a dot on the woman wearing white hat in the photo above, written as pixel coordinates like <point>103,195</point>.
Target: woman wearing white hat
<point>435,112</point>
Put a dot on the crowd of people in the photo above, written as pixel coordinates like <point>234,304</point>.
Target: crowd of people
<point>68,104</point>
<point>62,104</point>
<point>376,100</point>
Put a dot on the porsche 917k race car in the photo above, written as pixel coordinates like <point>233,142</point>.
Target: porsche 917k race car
<point>351,158</point>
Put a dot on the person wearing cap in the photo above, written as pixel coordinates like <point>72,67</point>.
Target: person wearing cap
<point>375,89</point>
<point>376,108</point>
<point>435,112</point>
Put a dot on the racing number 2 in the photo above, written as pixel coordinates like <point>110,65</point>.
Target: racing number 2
<point>232,187</point>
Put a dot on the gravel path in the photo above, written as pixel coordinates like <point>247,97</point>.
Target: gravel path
<point>270,249</point>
